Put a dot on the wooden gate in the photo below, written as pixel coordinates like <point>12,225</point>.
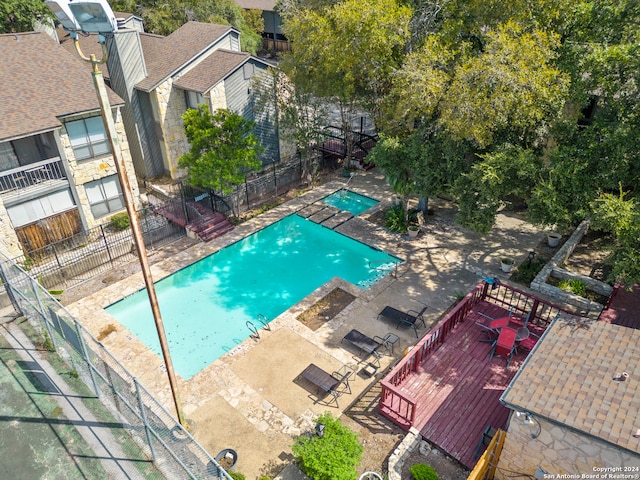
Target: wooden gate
<point>49,230</point>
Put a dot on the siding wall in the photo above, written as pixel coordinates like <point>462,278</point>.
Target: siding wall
<point>238,88</point>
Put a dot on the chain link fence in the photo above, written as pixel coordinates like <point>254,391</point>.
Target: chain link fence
<point>150,427</point>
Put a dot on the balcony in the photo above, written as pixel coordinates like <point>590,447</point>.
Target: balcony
<point>40,174</point>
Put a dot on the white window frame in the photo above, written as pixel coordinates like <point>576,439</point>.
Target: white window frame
<point>104,196</point>
<point>88,138</point>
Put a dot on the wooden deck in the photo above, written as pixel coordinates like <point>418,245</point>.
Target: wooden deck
<point>459,389</point>
<point>449,390</point>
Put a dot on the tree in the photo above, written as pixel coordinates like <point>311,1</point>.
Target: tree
<point>223,149</point>
<point>165,17</point>
<point>333,456</point>
<point>621,217</point>
<point>300,115</point>
<point>20,15</point>
<point>345,53</point>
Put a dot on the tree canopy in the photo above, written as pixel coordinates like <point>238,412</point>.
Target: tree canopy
<point>164,17</point>
<point>489,101</point>
<point>20,15</point>
<point>223,149</point>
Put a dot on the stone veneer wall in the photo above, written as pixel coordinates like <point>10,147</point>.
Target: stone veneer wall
<point>557,450</point>
<point>171,105</point>
<point>84,171</point>
<point>553,267</point>
<point>9,244</point>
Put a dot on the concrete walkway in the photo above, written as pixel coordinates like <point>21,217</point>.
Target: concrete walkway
<point>97,436</point>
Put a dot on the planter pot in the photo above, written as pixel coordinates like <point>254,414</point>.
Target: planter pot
<point>553,239</point>
<point>413,232</point>
<point>506,264</point>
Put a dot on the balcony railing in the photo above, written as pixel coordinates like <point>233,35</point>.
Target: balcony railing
<point>32,174</point>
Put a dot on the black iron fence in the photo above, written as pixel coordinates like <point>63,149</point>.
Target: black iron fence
<point>89,253</point>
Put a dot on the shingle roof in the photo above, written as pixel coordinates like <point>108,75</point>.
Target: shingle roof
<point>211,70</point>
<point>166,55</point>
<point>88,45</point>
<point>40,82</point>
<point>569,380</point>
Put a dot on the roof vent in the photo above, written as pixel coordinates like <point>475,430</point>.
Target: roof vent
<point>637,434</point>
<point>621,377</point>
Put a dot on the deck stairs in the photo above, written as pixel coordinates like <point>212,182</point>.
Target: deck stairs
<point>198,219</point>
<point>334,145</point>
<point>207,224</point>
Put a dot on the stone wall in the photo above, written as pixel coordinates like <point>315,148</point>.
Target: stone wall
<point>401,453</point>
<point>9,244</point>
<point>170,106</point>
<point>552,267</point>
<point>84,171</point>
<point>556,450</point>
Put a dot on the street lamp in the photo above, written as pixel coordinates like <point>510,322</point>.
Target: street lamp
<point>97,17</point>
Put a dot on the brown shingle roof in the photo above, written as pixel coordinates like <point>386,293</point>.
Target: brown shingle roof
<point>88,45</point>
<point>40,82</point>
<point>569,380</point>
<point>211,70</point>
<point>166,55</point>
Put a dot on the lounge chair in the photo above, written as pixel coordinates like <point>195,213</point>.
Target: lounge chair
<point>366,344</point>
<point>330,383</point>
<point>410,318</point>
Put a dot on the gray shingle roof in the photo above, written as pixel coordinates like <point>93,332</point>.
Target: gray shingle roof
<point>211,70</point>
<point>166,55</point>
<point>39,82</point>
<point>569,380</point>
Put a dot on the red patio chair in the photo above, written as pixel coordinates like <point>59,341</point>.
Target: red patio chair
<point>505,344</point>
<point>529,342</point>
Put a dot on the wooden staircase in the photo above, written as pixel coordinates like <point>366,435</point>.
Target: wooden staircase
<point>207,224</point>
<point>334,146</point>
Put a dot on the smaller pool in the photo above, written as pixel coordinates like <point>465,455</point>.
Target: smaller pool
<point>350,201</point>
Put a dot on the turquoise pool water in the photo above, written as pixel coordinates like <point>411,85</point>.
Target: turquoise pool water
<point>205,306</point>
<point>350,201</point>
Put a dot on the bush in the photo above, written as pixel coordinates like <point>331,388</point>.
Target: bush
<point>528,270</point>
<point>422,471</point>
<point>333,456</point>
<point>236,475</point>
<point>574,286</point>
<point>394,219</point>
<point>120,222</point>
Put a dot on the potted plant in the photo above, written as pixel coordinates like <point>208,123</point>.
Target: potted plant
<point>506,264</point>
<point>553,239</point>
<point>413,231</point>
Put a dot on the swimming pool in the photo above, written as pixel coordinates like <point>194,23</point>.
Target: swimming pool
<point>350,201</point>
<point>205,306</point>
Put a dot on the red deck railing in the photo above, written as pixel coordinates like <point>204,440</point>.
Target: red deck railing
<point>401,407</point>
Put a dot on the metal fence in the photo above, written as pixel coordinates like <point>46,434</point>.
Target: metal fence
<point>89,253</point>
<point>175,453</point>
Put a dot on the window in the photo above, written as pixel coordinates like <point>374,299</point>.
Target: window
<point>88,138</point>
<point>39,208</point>
<point>193,99</point>
<point>105,196</point>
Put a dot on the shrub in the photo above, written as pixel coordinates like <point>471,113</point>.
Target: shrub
<point>422,471</point>
<point>120,222</point>
<point>236,475</point>
<point>394,219</point>
<point>574,286</point>
<point>333,456</point>
<point>528,270</point>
